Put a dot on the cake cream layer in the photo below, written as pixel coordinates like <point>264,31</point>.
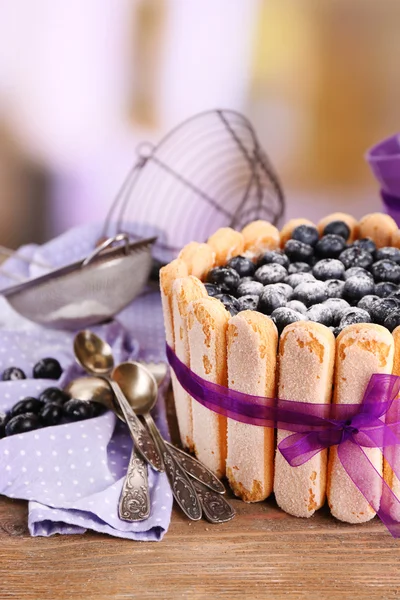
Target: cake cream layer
<point>306,361</point>
<point>361,351</point>
<point>252,341</point>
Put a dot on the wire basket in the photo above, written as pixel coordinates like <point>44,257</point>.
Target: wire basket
<point>208,172</point>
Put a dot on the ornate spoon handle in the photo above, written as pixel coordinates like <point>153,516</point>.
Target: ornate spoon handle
<point>216,509</point>
<point>182,488</point>
<point>141,437</point>
<point>197,470</point>
<point>134,502</point>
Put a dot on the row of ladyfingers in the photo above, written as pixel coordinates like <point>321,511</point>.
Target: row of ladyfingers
<point>242,352</point>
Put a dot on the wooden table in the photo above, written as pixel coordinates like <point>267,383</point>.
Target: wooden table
<point>262,553</point>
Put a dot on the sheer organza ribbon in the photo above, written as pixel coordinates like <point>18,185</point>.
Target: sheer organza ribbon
<point>352,428</point>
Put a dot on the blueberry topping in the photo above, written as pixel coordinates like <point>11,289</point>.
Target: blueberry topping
<point>284,316</point>
<point>13,374</point>
<point>366,244</point>
<point>47,368</point>
<point>330,246</point>
<point>248,302</point>
<point>312,292</point>
<point>386,270</point>
<point>230,302</point>
<point>213,289</point>
<point>357,287</point>
<point>394,294</point>
<point>296,278</point>
<point>328,268</point>
<point>334,288</point>
<point>356,257</point>
<point>249,288</point>
<point>270,274</point>
<point>382,309</point>
<point>320,313</point>
<point>306,234</point>
<point>51,413</point>
<point>227,279</point>
<point>270,299</point>
<point>27,405</point>
<point>357,272</point>
<point>76,410</point>
<point>338,228</point>
<point>297,306</point>
<point>54,395</point>
<point>273,256</point>
<point>368,302</point>
<point>22,423</point>
<point>353,316</point>
<point>298,251</point>
<point>242,265</point>
<point>97,408</point>
<point>389,253</point>
<point>385,289</point>
<point>338,307</point>
<point>392,320</point>
<point>299,267</point>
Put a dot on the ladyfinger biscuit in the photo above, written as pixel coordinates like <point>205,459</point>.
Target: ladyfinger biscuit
<point>199,259</point>
<point>207,321</point>
<point>260,236</point>
<point>226,243</point>
<point>306,361</point>
<point>395,239</point>
<point>184,291</point>
<point>388,474</point>
<point>252,340</point>
<point>289,227</point>
<point>168,274</point>
<point>379,227</point>
<point>350,221</point>
<point>361,350</point>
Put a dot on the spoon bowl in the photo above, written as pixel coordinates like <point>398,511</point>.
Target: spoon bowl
<point>93,353</point>
<point>138,385</point>
<point>92,389</point>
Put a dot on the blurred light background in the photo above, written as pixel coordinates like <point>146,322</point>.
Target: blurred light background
<point>82,82</point>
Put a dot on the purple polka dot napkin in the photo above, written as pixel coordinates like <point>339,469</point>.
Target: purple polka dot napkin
<point>73,474</point>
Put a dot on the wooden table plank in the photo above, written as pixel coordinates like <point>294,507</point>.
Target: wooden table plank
<point>262,553</point>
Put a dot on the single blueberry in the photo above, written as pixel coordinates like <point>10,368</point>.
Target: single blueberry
<point>51,413</point>
<point>385,289</point>
<point>296,278</point>
<point>338,306</point>
<point>299,267</point>
<point>4,418</point>
<point>213,289</point>
<point>320,313</point>
<point>271,299</point>
<point>284,316</point>
<point>270,274</point>
<point>328,268</point>
<point>368,302</point>
<point>54,395</point>
<point>382,309</point>
<point>242,265</point>
<point>357,287</point>
<point>330,246</point>
<point>283,288</point>
<point>353,316</point>
<point>389,253</point>
<point>249,302</point>
<point>386,270</point>
<point>357,272</point>
<point>230,302</point>
<point>297,251</point>
<point>22,424</point>
<point>392,320</point>
<point>338,228</point>
<point>366,244</point>
<point>356,257</point>
<point>76,410</point>
<point>273,256</point>
<point>47,368</point>
<point>334,288</point>
<point>249,288</point>
<point>297,306</point>
<point>26,405</point>
<point>312,292</point>
<point>306,234</point>
<point>227,279</point>
<point>394,294</point>
<point>13,374</point>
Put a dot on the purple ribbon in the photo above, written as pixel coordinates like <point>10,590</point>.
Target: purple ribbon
<point>375,423</point>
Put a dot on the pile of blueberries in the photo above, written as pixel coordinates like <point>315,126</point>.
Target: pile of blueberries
<point>322,279</point>
<point>52,407</point>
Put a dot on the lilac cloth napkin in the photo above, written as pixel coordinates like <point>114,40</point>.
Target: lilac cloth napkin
<point>72,474</point>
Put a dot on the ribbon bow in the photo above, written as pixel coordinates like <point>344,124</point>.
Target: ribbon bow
<point>352,428</point>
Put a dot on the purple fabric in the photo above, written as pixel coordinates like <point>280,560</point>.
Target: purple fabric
<point>375,423</point>
<point>72,474</point>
